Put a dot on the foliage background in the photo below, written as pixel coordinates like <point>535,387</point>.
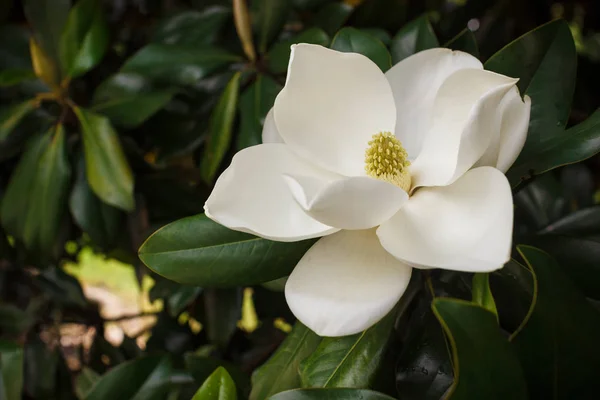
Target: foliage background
<point>117,115</point>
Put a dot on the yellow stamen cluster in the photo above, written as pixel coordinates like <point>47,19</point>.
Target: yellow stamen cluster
<point>386,159</point>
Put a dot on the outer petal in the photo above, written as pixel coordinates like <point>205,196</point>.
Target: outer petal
<point>466,226</point>
<point>345,283</point>
<point>331,106</point>
<point>270,134</point>
<point>464,115</point>
<point>509,136</point>
<point>252,196</point>
<point>415,82</point>
<point>348,203</point>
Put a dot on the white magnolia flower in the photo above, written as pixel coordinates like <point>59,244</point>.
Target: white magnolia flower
<point>394,171</point>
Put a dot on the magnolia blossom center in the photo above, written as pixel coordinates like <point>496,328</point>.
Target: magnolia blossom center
<point>387,160</point>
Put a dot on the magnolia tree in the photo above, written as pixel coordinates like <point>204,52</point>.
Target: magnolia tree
<point>359,200</point>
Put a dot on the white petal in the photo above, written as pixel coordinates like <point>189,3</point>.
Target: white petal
<point>347,203</point>
<point>508,136</point>
<point>270,134</point>
<point>464,114</point>
<point>345,283</point>
<point>466,226</point>
<point>415,82</point>
<point>331,106</point>
<point>252,196</point>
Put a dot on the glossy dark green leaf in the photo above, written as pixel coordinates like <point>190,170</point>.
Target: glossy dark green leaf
<point>415,36</point>
<point>330,394</point>
<point>33,205</point>
<point>14,76</point>
<point>198,251</point>
<point>557,344</point>
<point>108,171</point>
<point>84,39</point>
<point>96,218</point>
<point>484,362</point>
<point>464,41</point>
<point>280,372</point>
<point>348,361</point>
<point>201,367</point>
<point>11,370</point>
<point>279,55</point>
<point>223,309</point>
<point>63,288</point>
<point>255,103</point>
<point>218,386</point>
<point>193,28</point>
<point>143,378</point>
<point>48,19</point>
<point>545,62</point>
<point>270,19</point>
<point>128,99</point>
<point>177,64</point>
<point>181,298</point>
<point>380,34</point>
<point>351,40</point>
<point>482,294</point>
<point>11,116</point>
<point>220,130</point>
<point>85,381</point>
<point>539,203</point>
<point>332,17</point>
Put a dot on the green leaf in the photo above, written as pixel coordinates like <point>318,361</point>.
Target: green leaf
<point>351,40</point>
<point>201,368</point>
<point>218,386</point>
<point>33,205</point>
<point>192,28</point>
<point>62,287</point>
<point>464,41</point>
<point>380,34</point>
<point>41,368</point>
<point>99,220</point>
<point>12,115</point>
<point>332,17</point>
<point>415,36</point>
<point>330,394</point>
<point>557,344</point>
<point>44,67</point>
<point>545,62</point>
<point>144,378</point>
<point>11,370</point>
<point>178,65</point>
<point>482,294</point>
<point>270,19</point>
<point>197,251</point>
<point>84,39</point>
<point>48,18</point>
<point>85,382</point>
<point>223,309</point>
<point>108,171</point>
<point>128,99</point>
<point>280,372</point>
<point>14,76</point>
<point>220,130</point>
<point>255,103</point>
<point>279,55</point>
<point>348,361</point>
<point>484,362</point>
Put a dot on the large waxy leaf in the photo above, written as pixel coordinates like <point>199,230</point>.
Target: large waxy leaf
<point>44,67</point>
<point>332,17</point>
<point>348,361</point>
<point>84,39</point>
<point>177,64</point>
<point>545,62</point>
<point>128,99</point>
<point>201,368</point>
<point>415,36</point>
<point>281,371</point>
<point>218,386</point>
<point>198,251</point>
<point>192,27</point>
<point>255,103</point>
<point>484,362</point>
<point>330,394</point>
<point>270,18</point>
<point>351,40</point>
<point>557,344</point>
<point>11,371</point>
<point>108,171</point>
<point>12,115</point>
<point>279,55</point>
<point>220,129</point>
<point>33,205</point>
